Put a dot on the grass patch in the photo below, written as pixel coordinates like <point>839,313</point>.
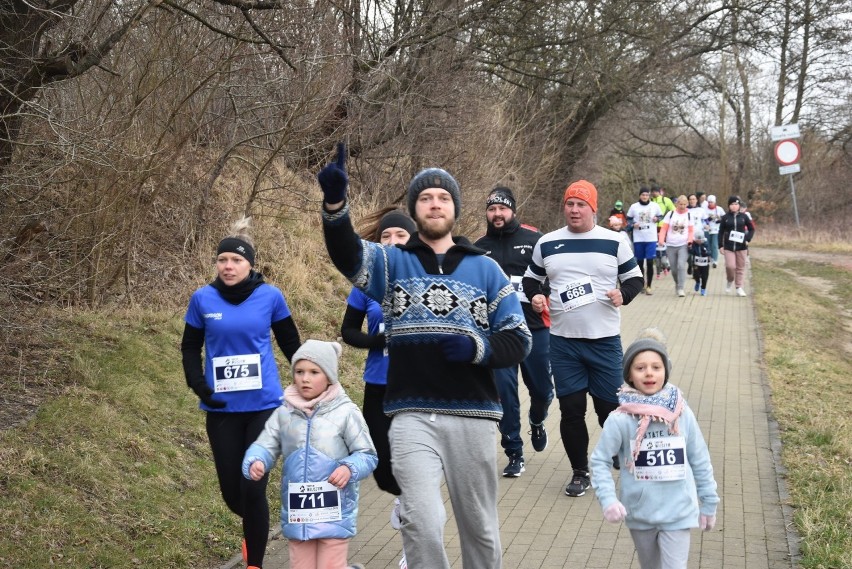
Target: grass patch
<point>821,239</point>
<point>802,309</point>
<point>117,471</point>
<point>114,468</point>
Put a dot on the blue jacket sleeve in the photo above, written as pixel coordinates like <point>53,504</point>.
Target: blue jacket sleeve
<point>702,470</point>
<point>267,447</point>
<point>254,453</point>
<point>600,462</point>
<point>363,459</point>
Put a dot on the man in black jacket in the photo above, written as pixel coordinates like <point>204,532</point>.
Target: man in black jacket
<point>511,244</point>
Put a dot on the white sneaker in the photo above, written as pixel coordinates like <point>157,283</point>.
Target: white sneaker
<point>395,522</point>
<point>729,287</point>
<point>741,292</point>
<point>680,292</point>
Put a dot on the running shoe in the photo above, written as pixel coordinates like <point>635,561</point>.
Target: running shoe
<point>580,482</point>
<point>538,435</point>
<point>515,467</point>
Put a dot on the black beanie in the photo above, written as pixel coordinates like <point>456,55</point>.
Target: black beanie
<point>238,246</point>
<point>501,195</point>
<point>649,339</point>
<point>397,218</point>
<point>433,178</point>
<point>733,199</point>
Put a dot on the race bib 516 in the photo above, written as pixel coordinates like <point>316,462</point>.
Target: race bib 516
<point>663,458</point>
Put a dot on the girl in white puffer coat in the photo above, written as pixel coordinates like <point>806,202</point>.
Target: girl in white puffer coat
<point>327,450</point>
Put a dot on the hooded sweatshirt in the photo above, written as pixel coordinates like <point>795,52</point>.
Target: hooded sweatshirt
<point>656,424</point>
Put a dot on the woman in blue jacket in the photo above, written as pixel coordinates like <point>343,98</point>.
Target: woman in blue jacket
<point>393,227</point>
<point>237,379</point>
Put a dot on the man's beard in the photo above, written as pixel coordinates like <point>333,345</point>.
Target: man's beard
<point>435,231</point>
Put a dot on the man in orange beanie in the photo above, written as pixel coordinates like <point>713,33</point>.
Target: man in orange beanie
<point>584,190</point>
<point>584,264</point>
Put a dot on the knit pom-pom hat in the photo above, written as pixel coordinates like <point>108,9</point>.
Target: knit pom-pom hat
<point>326,355</point>
<point>648,339</point>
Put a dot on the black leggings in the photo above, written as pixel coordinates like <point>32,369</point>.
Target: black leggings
<point>572,426</point>
<point>379,425</point>
<point>649,271</point>
<point>700,275</point>
<point>230,436</point>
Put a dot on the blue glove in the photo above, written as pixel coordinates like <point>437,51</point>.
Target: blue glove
<point>458,348</point>
<point>333,179</point>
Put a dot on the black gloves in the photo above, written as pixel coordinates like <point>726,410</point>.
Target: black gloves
<point>333,179</point>
<point>206,395</point>
<point>458,348</point>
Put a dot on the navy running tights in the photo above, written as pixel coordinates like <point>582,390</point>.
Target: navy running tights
<point>572,426</point>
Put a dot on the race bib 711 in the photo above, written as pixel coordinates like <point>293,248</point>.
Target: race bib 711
<point>311,502</point>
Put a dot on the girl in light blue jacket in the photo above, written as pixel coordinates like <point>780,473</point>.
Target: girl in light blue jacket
<point>327,450</point>
<point>668,485</point>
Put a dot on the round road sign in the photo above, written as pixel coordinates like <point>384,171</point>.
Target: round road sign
<point>787,152</point>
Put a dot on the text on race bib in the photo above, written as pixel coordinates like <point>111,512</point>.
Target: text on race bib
<point>576,294</point>
<point>237,373</point>
<point>660,459</point>
<point>516,284</point>
<point>311,502</point>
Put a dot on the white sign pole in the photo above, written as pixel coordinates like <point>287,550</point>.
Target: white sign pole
<point>795,207</point>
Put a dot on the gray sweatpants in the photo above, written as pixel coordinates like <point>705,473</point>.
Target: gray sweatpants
<point>661,549</point>
<point>426,448</point>
<point>677,259</point>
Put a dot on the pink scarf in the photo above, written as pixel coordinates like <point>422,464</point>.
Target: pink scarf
<point>664,406</point>
<point>296,401</point>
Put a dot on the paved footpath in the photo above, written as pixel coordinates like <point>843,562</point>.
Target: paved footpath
<point>715,348</point>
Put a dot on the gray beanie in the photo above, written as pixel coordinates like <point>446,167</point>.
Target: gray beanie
<point>648,339</point>
<point>324,354</point>
<point>433,178</point>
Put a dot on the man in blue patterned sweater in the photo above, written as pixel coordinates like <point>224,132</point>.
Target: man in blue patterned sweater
<point>451,317</point>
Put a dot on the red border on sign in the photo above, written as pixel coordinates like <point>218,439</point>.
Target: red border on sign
<point>798,152</point>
